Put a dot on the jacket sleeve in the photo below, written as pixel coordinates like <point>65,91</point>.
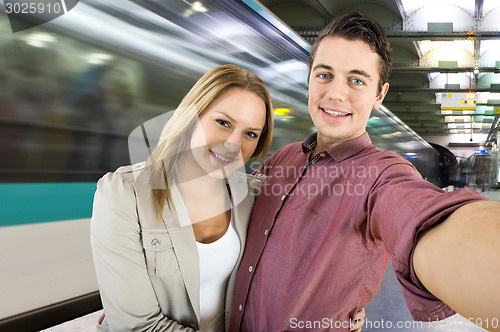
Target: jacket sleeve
<point>126,291</point>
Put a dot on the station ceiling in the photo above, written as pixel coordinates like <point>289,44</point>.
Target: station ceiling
<point>439,47</point>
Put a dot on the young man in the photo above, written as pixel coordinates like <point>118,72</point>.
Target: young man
<point>334,209</point>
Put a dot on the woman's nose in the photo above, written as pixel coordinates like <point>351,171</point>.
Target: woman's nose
<point>233,141</point>
<point>231,146</point>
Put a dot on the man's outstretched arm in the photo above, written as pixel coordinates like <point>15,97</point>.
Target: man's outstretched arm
<point>459,262</point>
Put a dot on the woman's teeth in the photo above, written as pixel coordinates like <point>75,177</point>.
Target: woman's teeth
<point>220,157</point>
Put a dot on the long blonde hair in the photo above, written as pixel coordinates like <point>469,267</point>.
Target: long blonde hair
<point>176,134</point>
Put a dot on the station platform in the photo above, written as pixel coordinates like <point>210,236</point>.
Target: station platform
<point>85,323</point>
<point>492,194</point>
<point>387,311</point>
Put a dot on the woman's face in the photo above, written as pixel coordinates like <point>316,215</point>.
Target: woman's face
<point>228,131</point>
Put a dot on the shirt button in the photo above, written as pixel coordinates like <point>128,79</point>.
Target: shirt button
<point>322,155</point>
<point>155,243</point>
<point>266,232</point>
<point>283,197</point>
<point>250,269</point>
<point>240,307</point>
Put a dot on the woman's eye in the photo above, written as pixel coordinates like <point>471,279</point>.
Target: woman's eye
<point>223,123</point>
<point>251,134</point>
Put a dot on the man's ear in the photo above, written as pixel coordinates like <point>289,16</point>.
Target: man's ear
<point>380,97</point>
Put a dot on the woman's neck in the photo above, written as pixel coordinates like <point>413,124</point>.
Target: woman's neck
<point>204,196</point>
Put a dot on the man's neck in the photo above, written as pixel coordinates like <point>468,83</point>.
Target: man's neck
<point>325,142</point>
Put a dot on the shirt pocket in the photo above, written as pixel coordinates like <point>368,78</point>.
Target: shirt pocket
<point>159,252</point>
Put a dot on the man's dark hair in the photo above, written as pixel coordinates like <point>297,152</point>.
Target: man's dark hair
<point>356,26</point>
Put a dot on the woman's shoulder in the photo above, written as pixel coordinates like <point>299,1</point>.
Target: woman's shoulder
<point>115,201</point>
<point>129,174</point>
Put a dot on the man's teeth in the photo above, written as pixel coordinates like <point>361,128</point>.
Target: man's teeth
<point>220,157</point>
<point>333,113</point>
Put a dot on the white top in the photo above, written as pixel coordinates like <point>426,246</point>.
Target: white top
<point>217,261</point>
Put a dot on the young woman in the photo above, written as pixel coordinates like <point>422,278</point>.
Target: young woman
<point>168,234</point>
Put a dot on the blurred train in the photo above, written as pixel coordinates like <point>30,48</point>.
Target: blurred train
<point>73,89</point>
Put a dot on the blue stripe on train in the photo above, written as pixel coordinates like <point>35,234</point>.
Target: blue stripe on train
<point>27,203</point>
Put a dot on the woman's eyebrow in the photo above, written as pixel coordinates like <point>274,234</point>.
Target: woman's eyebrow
<point>234,121</point>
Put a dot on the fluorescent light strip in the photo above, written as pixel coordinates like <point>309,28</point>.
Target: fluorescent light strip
<point>264,13</point>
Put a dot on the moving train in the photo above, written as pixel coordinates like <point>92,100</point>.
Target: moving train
<point>72,91</point>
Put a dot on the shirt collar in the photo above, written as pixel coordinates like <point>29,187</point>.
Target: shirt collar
<point>342,151</point>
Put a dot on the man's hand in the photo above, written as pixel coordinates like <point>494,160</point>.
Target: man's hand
<point>358,320</point>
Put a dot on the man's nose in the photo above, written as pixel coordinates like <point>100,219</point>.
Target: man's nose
<point>337,90</point>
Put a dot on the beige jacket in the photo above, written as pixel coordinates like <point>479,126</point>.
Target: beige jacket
<point>148,271</point>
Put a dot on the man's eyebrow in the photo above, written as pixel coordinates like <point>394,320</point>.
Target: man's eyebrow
<point>354,71</point>
<point>360,72</point>
<point>322,66</point>
<point>233,120</point>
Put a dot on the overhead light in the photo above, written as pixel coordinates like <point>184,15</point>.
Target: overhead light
<point>39,39</point>
<point>196,7</point>
<point>446,50</point>
<point>456,118</point>
<point>99,58</point>
<point>476,70</point>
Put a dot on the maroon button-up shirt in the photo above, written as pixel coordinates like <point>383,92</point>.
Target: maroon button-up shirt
<point>323,230</point>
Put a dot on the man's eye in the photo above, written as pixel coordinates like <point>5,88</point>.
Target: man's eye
<point>323,76</point>
<point>223,123</point>
<point>357,81</point>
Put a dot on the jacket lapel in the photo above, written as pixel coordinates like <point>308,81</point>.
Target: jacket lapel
<point>181,233</point>
<point>240,201</point>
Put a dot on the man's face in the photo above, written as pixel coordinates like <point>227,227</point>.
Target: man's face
<point>343,89</point>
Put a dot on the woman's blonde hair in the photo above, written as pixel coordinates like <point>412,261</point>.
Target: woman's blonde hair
<point>176,134</point>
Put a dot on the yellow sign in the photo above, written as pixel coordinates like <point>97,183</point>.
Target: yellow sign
<point>458,101</point>
<point>281,111</point>
<point>496,110</point>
